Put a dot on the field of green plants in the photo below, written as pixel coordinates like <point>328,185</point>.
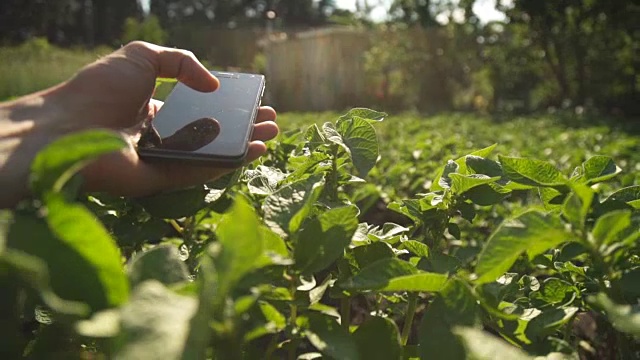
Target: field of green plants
<point>358,236</point>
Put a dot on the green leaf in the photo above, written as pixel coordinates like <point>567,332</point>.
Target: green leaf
<point>548,322</point>
<point>533,232</point>
<point>330,338</point>
<point>461,168</point>
<point>481,346</point>
<point>155,323</point>
<point>488,194</point>
<point>378,338</point>
<point>625,318</point>
<point>60,160</point>
<point>175,204</point>
<point>610,225</point>
<point>454,230</point>
<point>629,195</point>
<point>484,166</point>
<point>555,290</point>
<point>370,253</point>
<point>286,209</point>
<point>324,238</point>
<point>361,143</point>
<point>463,183</point>
<point>416,247</point>
<point>241,245</point>
<point>422,282</point>
<point>531,172</point>
<point>33,273</point>
<point>264,180</point>
<point>596,169</point>
<point>161,263</point>
<point>577,205</point>
<point>363,113</point>
<point>450,168</point>
<point>272,315</point>
<point>83,260</point>
<point>454,306</point>
<point>378,274</point>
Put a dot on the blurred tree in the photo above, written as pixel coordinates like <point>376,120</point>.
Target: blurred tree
<point>588,46</point>
<point>66,22</point>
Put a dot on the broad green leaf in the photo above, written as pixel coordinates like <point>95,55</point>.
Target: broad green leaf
<point>241,245</point>
<point>531,172</point>
<point>33,273</point>
<point>577,205</point>
<point>483,166</point>
<point>286,209</point>
<point>370,253</point>
<point>175,204</point>
<point>199,336</point>
<point>488,194</point>
<point>307,166</point>
<point>378,338</point>
<point>362,144</point>
<point>275,250</point>
<point>363,113</point>
<point>551,197</point>
<point>555,290</point>
<point>378,274</point>
<point>454,306</point>
<point>450,168</point>
<point>625,318</point>
<point>596,169</point>
<point>272,315</point>
<point>314,137</point>
<point>264,180</point>
<point>330,338</point>
<point>161,263</point>
<point>440,263</point>
<point>454,230</point>
<point>155,323</point>
<point>548,322</point>
<point>629,195</point>
<point>60,160</point>
<point>533,232</point>
<point>324,238</point>
<point>610,225</point>
<point>479,345</point>
<point>422,282</point>
<point>83,261</point>
<point>416,247</point>
<point>462,165</point>
<point>463,183</point>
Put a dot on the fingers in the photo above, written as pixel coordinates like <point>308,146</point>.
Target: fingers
<point>266,113</point>
<point>174,63</point>
<point>125,174</point>
<point>265,131</point>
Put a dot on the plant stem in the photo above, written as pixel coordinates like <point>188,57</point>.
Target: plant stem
<point>345,312</point>
<point>408,320</point>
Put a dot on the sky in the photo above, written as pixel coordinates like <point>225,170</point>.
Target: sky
<point>484,9</point>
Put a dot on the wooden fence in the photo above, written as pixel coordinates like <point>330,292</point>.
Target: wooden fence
<point>317,70</point>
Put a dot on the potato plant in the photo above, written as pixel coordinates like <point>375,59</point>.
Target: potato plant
<point>278,261</point>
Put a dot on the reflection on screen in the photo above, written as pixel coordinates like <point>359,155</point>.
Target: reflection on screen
<point>206,123</point>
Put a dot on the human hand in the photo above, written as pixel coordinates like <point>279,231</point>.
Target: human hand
<point>113,93</point>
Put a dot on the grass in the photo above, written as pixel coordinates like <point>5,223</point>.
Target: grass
<point>36,65</point>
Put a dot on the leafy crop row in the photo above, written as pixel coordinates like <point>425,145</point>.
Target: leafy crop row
<point>278,261</point>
